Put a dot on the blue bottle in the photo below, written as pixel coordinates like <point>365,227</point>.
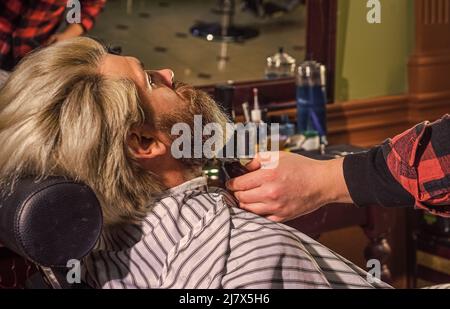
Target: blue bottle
<point>311,99</point>
<point>286,128</point>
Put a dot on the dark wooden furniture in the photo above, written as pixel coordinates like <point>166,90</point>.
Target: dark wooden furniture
<point>14,270</point>
<point>428,249</point>
<point>373,220</point>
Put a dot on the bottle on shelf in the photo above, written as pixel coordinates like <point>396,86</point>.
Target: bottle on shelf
<point>280,65</point>
<point>311,99</point>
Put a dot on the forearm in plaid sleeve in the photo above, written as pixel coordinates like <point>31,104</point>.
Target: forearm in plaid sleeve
<point>419,159</point>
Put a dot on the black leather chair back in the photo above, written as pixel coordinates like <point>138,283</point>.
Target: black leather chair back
<point>50,222</point>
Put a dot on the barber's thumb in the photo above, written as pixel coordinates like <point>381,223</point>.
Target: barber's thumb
<point>254,164</point>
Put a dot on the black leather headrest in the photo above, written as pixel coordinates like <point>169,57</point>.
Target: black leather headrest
<point>50,222</point>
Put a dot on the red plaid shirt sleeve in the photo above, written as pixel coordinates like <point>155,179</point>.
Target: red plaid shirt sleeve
<point>411,169</point>
<point>89,11</point>
<point>26,25</point>
<point>419,159</point>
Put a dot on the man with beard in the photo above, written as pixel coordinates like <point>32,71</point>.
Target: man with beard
<point>74,110</point>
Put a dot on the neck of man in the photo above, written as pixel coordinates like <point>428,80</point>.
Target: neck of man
<point>173,172</point>
<point>173,178</point>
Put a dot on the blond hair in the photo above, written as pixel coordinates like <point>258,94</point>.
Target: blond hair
<point>60,116</point>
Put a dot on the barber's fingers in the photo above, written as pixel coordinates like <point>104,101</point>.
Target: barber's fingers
<point>250,196</point>
<point>253,165</point>
<point>265,158</point>
<point>275,218</point>
<point>256,208</point>
<point>246,182</point>
<point>263,210</point>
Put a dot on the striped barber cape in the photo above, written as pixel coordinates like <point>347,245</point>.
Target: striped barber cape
<point>197,237</point>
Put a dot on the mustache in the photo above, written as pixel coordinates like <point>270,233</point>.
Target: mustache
<point>196,102</point>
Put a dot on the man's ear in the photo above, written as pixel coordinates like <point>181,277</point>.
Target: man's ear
<point>144,145</point>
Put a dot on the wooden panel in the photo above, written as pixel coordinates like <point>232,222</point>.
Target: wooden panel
<point>330,218</point>
<point>367,122</point>
<point>432,25</point>
<point>429,72</point>
<point>428,106</point>
<point>270,92</point>
<point>430,63</point>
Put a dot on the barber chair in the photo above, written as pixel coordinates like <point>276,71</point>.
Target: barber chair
<point>50,222</point>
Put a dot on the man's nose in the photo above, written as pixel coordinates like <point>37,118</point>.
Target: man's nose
<point>167,76</point>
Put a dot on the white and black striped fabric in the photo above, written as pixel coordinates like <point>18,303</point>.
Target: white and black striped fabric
<point>196,237</point>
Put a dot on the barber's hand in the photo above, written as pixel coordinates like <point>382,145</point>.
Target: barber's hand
<point>58,37</point>
<point>72,31</point>
<point>295,186</point>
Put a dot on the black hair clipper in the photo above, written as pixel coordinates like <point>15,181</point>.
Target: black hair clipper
<point>232,168</point>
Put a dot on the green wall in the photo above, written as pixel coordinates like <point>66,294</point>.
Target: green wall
<point>371,59</point>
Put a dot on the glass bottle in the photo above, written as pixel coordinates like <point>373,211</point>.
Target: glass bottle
<point>280,65</point>
<point>311,98</point>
